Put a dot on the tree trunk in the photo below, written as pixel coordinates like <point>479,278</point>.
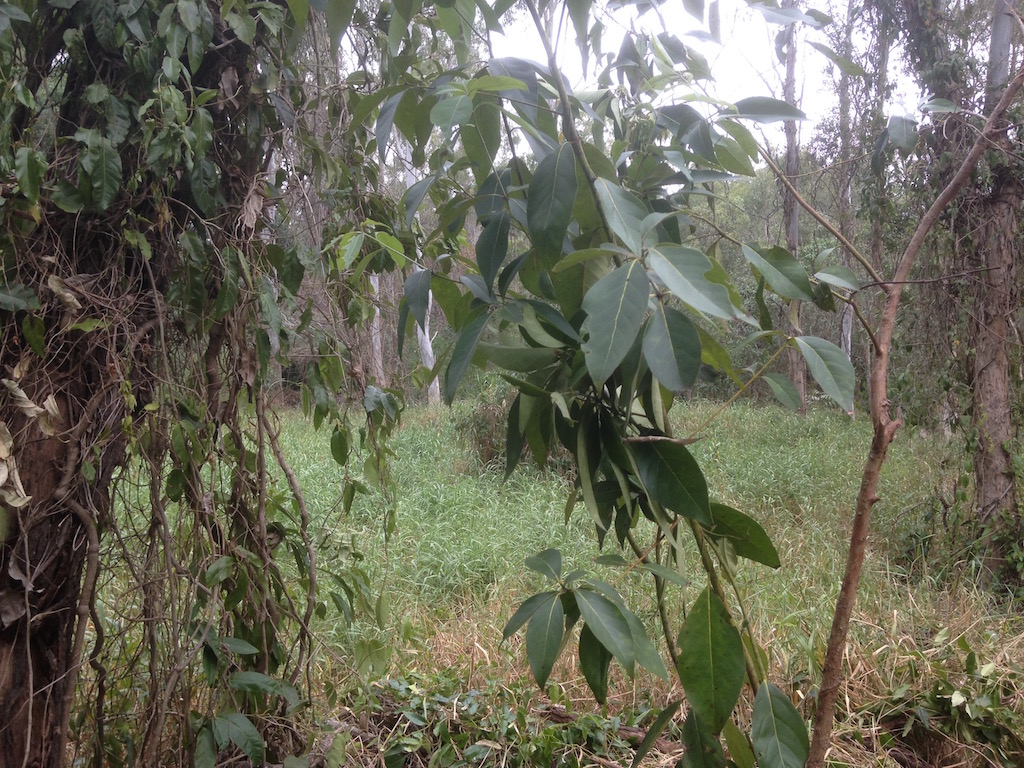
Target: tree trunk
<point>790,211</point>
<point>44,604</point>
<point>989,328</point>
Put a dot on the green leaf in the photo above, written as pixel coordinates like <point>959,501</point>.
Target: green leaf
<point>655,730</point>
<point>102,164</point>
<point>243,26</point>
<point>672,348</point>
<point>646,653</point>
<point>547,563</point>
<point>518,359</point>
<point>29,168</point>
<point>492,247</point>
<point>624,211</point>
<point>525,612</point>
<point>673,478</point>
<point>683,271</point>
<point>846,66</point>
<point>830,368</point>
<point>237,729</point>
<point>594,662</point>
<point>839,276</point>
<point>34,330</point>
<point>738,745</point>
<point>778,731</point>
<point>340,446</point>
<point>902,132</point>
<point>608,625</point>
<point>339,16</point>
<point>550,199</point>
<point>15,297</point>
<point>462,355</point>
<point>257,682</point>
<point>783,389</point>
<point>703,750</point>
<point>711,665</point>
<point>414,196</point>
<point>452,110</point>
<point>782,272</point>
<point>544,637</point>
<point>763,109</point>
<point>615,308</point>
<point>417,294</point>
<point>206,748</point>
<point>747,537</point>
<point>695,8</point>
<point>239,646</point>
<point>481,136</point>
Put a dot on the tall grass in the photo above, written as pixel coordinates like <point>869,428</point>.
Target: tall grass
<point>453,566</point>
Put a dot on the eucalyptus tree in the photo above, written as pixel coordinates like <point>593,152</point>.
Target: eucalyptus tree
<point>961,57</point>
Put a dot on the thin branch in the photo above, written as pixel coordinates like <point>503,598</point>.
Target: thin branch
<point>832,229</point>
<point>884,431</point>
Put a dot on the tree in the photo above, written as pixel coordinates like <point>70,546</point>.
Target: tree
<point>140,307</point>
<point>984,227</point>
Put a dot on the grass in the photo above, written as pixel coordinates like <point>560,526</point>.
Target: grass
<point>452,569</point>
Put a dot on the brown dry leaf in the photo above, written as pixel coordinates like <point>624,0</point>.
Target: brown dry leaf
<point>21,400</point>
<point>65,294</point>
<point>6,441</point>
<point>251,208</point>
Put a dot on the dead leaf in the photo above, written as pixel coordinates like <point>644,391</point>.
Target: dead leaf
<point>252,208</point>
<point>12,607</point>
<point>6,441</point>
<point>21,400</point>
<point>66,296</point>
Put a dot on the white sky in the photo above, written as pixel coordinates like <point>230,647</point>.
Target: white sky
<point>745,64</point>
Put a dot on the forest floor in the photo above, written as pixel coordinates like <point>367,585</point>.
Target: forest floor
<point>421,675</point>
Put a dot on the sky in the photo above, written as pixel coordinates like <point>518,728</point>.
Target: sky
<point>744,64</point>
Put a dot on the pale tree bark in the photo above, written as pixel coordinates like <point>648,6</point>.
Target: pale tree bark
<point>846,173</point>
<point>423,338</point>
<point>790,210</point>
<point>376,340</point>
<point>997,299</point>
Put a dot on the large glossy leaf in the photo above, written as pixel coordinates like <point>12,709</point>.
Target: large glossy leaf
<point>251,681</point>
<point>747,537</point>
<point>417,294</point>
<point>481,137</point>
<point>672,348</point>
<point>778,731</point>
<point>525,612</point>
<point>782,272</point>
<point>608,625</point>
<point>739,746</point>
<point>29,167</point>
<point>683,272</point>
<point>763,109</point>
<point>624,211</point>
<point>830,368</point>
<point>544,637</point>
<point>703,749</point>
<point>594,661</point>
<point>839,276</point>
<point>102,164</point>
<point>547,563</point>
<point>646,652</point>
<point>615,309</point>
<point>673,478</point>
<point>550,199</point>
<point>492,247</point>
<point>902,132</point>
<point>235,728</point>
<point>783,389</point>
<point>462,355</point>
<point>711,665</point>
<point>514,358</point>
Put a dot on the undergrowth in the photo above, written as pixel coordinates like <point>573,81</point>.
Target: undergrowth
<point>451,574</point>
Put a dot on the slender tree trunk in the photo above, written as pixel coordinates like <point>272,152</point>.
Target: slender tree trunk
<point>790,211</point>
<point>376,340</point>
<point>990,336</point>
<point>846,178</point>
